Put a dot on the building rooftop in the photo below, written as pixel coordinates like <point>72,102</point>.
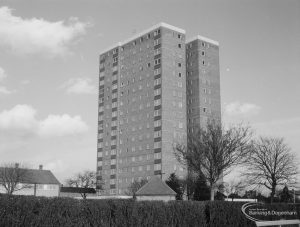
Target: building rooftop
<point>155,187</point>
<point>36,176</point>
<point>161,24</point>
<point>199,37</point>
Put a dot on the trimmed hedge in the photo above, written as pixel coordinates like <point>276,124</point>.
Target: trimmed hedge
<point>41,211</point>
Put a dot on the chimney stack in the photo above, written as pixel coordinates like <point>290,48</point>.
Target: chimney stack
<point>40,167</point>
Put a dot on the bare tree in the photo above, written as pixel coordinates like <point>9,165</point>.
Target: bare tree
<point>234,188</point>
<point>270,163</point>
<point>13,177</point>
<point>213,151</point>
<point>135,186</point>
<point>86,179</point>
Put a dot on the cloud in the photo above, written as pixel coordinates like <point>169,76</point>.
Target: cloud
<point>22,118</point>
<point>25,82</point>
<point>242,109</point>
<point>280,127</point>
<point>79,86</point>
<point>3,89</point>
<point>55,165</point>
<point>56,125</point>
<point>2,74</point>
<point>33,35</point>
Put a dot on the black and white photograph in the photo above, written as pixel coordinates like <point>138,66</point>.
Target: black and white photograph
<point>150,113</point>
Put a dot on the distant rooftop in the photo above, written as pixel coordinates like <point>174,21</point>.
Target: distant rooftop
<point>155,187</point>
<point>37,176</point>
<point>199,37</point>
<point>162,24</point>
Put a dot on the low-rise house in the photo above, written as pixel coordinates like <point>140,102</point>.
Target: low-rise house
<point>37,182</point>
<point>75,192</point>
<point>155,189</point>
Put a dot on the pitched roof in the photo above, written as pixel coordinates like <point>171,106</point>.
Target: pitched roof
<point>77,190</point>
<point>155,187</point>
<point>37,176</point>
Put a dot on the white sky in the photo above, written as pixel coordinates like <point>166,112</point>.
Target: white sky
<point>49,69</point>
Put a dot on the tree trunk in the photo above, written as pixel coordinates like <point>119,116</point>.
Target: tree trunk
<point>212,194</point>
<point>272,194</point>
<point>34,190</point>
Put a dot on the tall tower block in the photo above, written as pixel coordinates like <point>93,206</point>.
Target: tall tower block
<point>142,108</point>
<point>203,82</point>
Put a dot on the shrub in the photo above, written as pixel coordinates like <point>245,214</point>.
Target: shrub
<point>40,211</point>
<point>227,214</point>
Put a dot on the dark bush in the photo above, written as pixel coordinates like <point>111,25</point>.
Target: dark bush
<point>227,214</point>
<point>40,211</point>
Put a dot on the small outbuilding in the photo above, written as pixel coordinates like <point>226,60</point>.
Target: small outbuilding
<point>37,182</point>
<point>155,189</point>
<point>75,192</point>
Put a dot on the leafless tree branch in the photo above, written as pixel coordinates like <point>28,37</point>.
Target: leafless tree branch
<point>270,163</point>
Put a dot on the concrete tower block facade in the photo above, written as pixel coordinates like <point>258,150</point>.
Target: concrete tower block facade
<point>203,82</point>
<point>142,109</point>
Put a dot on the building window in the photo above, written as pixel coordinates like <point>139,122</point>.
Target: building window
<point>157,134</point>
<point>113,191</point>
<point>115,86</point>
<point>148,156</point>
<point>157,167</point>
<point>156,72</point>
<point>114,114</point>
<point>157,123</point>
<point>180,125</point>
<point>156,113</point>
<point>157,81</point>
<point>157,92</point>
<point>157,51</point>
<point>157,102</point>
<point>156,42</point>
<point>157,144</point>
<point>157,61</point>
<point>113,171</point>
<point>157,155</point>
<point>156,32</point>
<point>179,45</point>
